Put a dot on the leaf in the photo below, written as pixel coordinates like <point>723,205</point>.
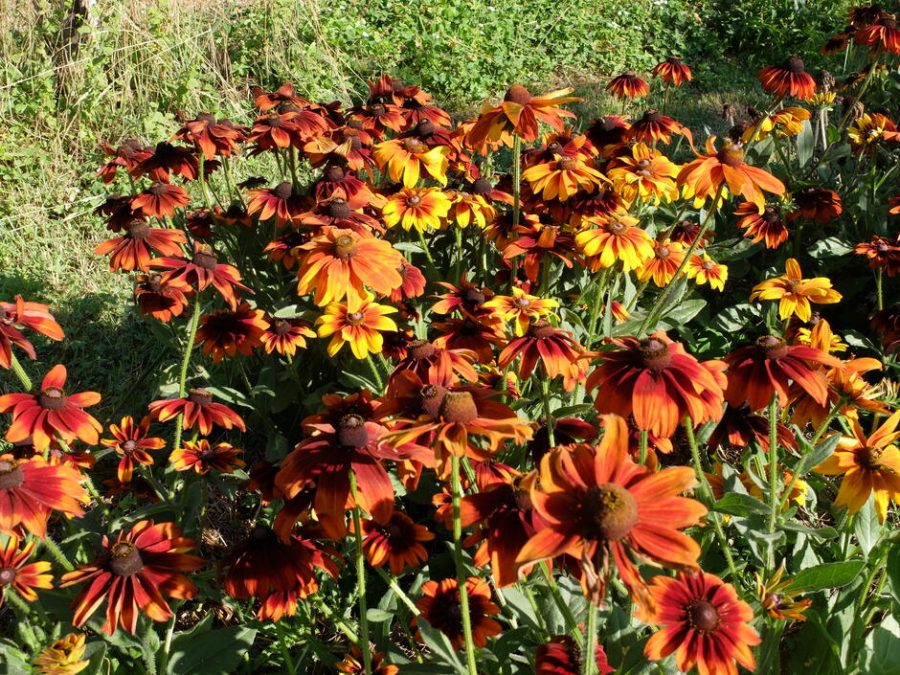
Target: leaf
<point>830,247</point>
<point>379,615</point>
<point>829,575</point>
<point>684,311</point>
<point>216,652</point>
<point>740,505</point>
<point>893,570</point>
<point>94,652</point>
<point>439,645</point>
<point>812,457</point>
<point>882,649</point>
<point>806,144</point>
<point>866,527</point>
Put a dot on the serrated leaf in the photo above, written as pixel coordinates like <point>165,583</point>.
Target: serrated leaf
<point>741,505</point>
<point>829,575</point>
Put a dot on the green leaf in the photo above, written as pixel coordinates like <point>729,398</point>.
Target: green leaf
<point>866,527</point>
<point>882,649</point>
<point>893,570</point>
<point>439,645</point>
<point>379,615</point>
<point>216,652</point>
<point>684,311</point>
<point>805,144</point>
<point>740,505</point>
<point>812,457</point>
<point>94,652</point>
<point>829,575</point>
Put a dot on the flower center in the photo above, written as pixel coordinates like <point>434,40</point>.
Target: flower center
<point>282,327</point>
<point>663,252</point>
<point>771,215</point>
<point>200,396</point>
<point>773,347</point>
<point>421,350</point>
<point>338,208</point>
<point>772,600</point>
<point>414,146</point>
<point>655,354</point>
<point>11,476</point>
<point>7,576</point>
<point>523,302</point>
<point>615,227</point>
<point>481,186</point>
<point>283,191</point>
<point>52,399</point>
<point>472,296</point>
<point>869,458</point>
<point>541,329</point>
<point>351,431</point>
<point>138,229</point>
<point>567,164</point>
<point>518,94</point>
<point>609,512</point>
<point>707,265</point>
<point>459,407</point>
<point>355,318</point>
<point>333,174</point>
<point>425,128</point>
<point>377,109</point>
<point>158,189</point>
<point>731,154</point>
<point>702,616</point>
<point>345,246</point>
<point>432,396</point>
<point>129,446</point>
<point>415,200</point>
<point>205,257</point>
<point>125,559</point>
<point>652,115</point>
<point>794,64</point>
<point>630,74</point>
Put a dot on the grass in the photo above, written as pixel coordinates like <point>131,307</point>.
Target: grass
<point>145,62</point>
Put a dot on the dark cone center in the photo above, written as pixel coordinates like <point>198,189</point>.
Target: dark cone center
<point>125,559</point>
<point>795,65</point>
<point>129,446</point>
<point>481,186</point>
<point>773,347</point>
<point>459,407</point>
<point>609,512</point>
<point>7,576</point>
<point>334,174</point>
<point>11,476</point>
<point>732,154</point>
<point>518,94</point>
<point>414,146</point>
<point>52,399</point>
<point>421,350</point>
<point>206,258</point>
<point>283,191</point>
<point>869,458</point>
<point>200,396</point>
<point>567,164</point>
<point>338,208</point>
<point>345,246</point>
<point>282,327</point>
<point>472,296</point>
<point>541,329</point>
<point>355,318</point>
<point>351,431</point>
<point>139,229</point>
<point>703,616</point>
<point>415,200</point>
<point>432,396</point>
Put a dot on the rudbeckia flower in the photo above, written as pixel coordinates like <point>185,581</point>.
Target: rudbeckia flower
<point>663,264</point>
<point>672,71</point>
<point>31,489</point>
<point>740,427</point>
<point>659,383</point>
<point>703,177</point>
<point>469,208</point>
<point>341,263</point>
<point>778,600</point>
<point>881,253</point>
<point>128,155</point>
<point>519,114</point>
<point>628,85</point>
<point>561,655</point>
<point>132,251</point>
<point>521,307</point>
<point>354,664</point>
<point>198,408</point>
<point>795,293</point>
<point>704,622</point>
<point>51,413</point>
<point>562,177</point>
<point>818,204</point>
<point>229,333</point>
<point>704,270</point>
<point>608,134</point>
<point>203,270</point>
<point>211,136</point>
<point>23,314</point>
<point>133,574</point>
<point>419,208</point>
<point>132,441</point>
<point>616,238</point>
<point>279,202</point>
<point>600,507</point>
<point>359,323</point>
<point>784,123</point>
<point>440,607</point>
<point>646,173</point>
<point>767,226</point>
<point>17,574</point>
<point>869,129</point>
<point>160,297</point>
<point>869,465</point>
<point>63,657</point>
<point>286,336</point>
<point>286,248</point>
<point>165,160</point>
<point>412,286</point>
<point>788,78</point>
<point>654,127</point>
<point>202,456</point>
<point>160,200</point>
<point>555,348</point>
<point>406,159</point>
<point>396,541</point>
<point>882,35</point>
<point>435,364</point>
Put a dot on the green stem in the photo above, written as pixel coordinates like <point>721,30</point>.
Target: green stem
<point>642,447</point>
<point>283,648</point>
<point>795,475</point>
<point>361,578</point>
<point>878,288</point>
<point>517,194</point>
<point>595,309</point>
<point>400,593</point>
<point>564,609</point>
<point>425,247</point>
<point>457,261</point>
<point>774,501</point>
<point>456,488</point>
<point>20,372</point>
<point>185,364</point>
<point>167,646</point>
<point>377,375</point>
<point>548,417</point>
<point>57,553</point>
<point>588,662</point>
<point>337,621</point>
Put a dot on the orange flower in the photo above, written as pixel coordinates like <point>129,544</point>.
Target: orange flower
<point>882,35</point>
<point>132,251</point>
<point>437,365</point>
<point>869,129</point>
<point>18,576</point>
<point>229,333</point>
<point>654,127</point>
<point>562,177</point>
<point>659,383</point>
<point>22,314</point>
<point>628,85</point>
<point>562,656</point>
<point>132,441</point>
<point>419,208</point>
<point>795,293</point>
<point>161,297</point>
<point>555,348</point>
<point>519,114</point>
<point>703,177</point>
<point>133,574</point>
<point>767,225</point>
<point>160,200</point>
<point>882,253</point>
<point>397,541</point>
<point>704,622</point>
<point>198,408</point>
<point>51,413</point>
<point>353,664</point>
<point>31,489</point>
<point>673,71</point>
<point>63,657</point>
<point>705,270</point>
<point>646,173</point>
<point>200,456</point>
<point>359,323</point>
<point>616,239</point>
<point>662,266</point>
<point>471,208</point>
<point>778,600</point>
<point>212,137</point>
<point>789,78</point>
<point>341,263</point>
<point>440,607</point>
<point>598,504</point>
<point>404,159</point>
<point>521,307</point>
<point>203,270</point>
<point>285,336</point>
<point>868,465</point>
<point>815,203</point>
<point>279,202</point>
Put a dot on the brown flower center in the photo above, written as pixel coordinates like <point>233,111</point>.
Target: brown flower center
<point>615,226</point>
<point>334,174</point>
<point>338,208</point>
<point>795,65</point>
<point>609,512</point>
<point>11,476</point>
<point>773,347</point>
<point>472,296</point>
<point>425,128</point>
<point>414,146</point>
<point>52,399</point>
<point>415,200</point>
<point>518,94</point>
<point>567,164</point>
<point>421,349</point>
<point>7,576</point>
<point>541,329</point>
<point>663,252</point>
<point>652,115</point>
<point>481,186</point>
<point>869,458</point>
<point>282,327</point>
<point>629,74</point>
<point>200,396</point>
<point>125,559</point>
<point>138,229</point>
<point>351,431</point>
<point>731,154</point>
<point>283,191</point>
<point>345,246</point>
<point>771,215</point>
<point>707,265</point>
<point>129,446</point>
<point>655,353</point>
<point>355,318</point>
<point>702,616</point>
<point>377,109</point>
<point>158,189</point>
<point>459,407</point>
<point>431,397</point>
<point>206,258</point>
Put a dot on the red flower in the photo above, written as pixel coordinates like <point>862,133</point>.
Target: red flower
<point>30,489</point>
<point>133,574</point>
<point>161,297</point>
<point>132,441</point>
<point>285,336</point>
<point>655,127</point>
<point>767,226</point>
<point>815,203</point>
<point>200,456</point>
<point>673,71</point>
<point>628,85</point>
<point>556,349</point>
<point>212,137</point>
<point>16,574</point>
<point>167,159</point>
<point>789,78</point>
<point>198,409</point>
<point>882,35</point>
<point>435,364</point>
<point>440,607</point>
<point>396,540</point>
<point>229,333</point>
<point>279,202</point>
<point>127,156</point>
<point>160,200</point>
<point>23,314</point>
<point>202,270</point>
<point>132,251</point>
<point>562,656</point>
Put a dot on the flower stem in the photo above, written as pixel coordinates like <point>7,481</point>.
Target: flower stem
<point>185,364</point>
<point>57,553</point>
<point>642,447</point>
<point>588,662</point>
<point>517,193</point>
<point>375,373</point>
<point>283,648</point>
<point>361,579</point>
<point>457,259</point>
<point>564,609</point>
<point>20,372</point>
<point>456,491</point>
<point>425,247</point>
<point>337,621</point>
<point>401,594</point>
<point>878,288</point>
<point>774,501</point>
<point>548,417</point>
<point>595,309</point>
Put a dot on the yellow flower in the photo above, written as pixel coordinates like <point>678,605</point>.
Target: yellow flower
<point>405,158</point>
<point>869,129</point>
<point>563,177</point>
<point>521,307</point>
<point>614,237</point>
<point>357,321</point>
<point>662,266</point>
<point>419,208</point>
<point>705,270</point>
<point>795,293</point>
<point>785,123</point>
<point>821,337</point>
<point>63,657</point>
<point>647,173</point>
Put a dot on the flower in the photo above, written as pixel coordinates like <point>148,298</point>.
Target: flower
<point>767,226</point>
<point>23,314</point>
<point>404,159</point>
<point>597,504</point>
<point>160,200</point>
<point>30,489</point>
<point>562,177</point>
<point>133,573</point>
<point>740,427</point>
<point>413,284</point>
<point>657,382</point>
<point>628,85</point>
<point>521,307</point>
<point>815,203</point>
<point>63,657</point>
<point>419,208</point>
<point>212,137</point>
<point>396,540</point>
<point>161,297</point>
<point>757,372</point>
<point>703,269</point>
<point>132,251</point>
<point>519,114</point>
<point>795,293</point>
<point>279,202</point>
<point>561,655</point>
<point>198,409</point>
<point>353,664</point>
<point>703,177</point>
<point>882,253</point>
<point>788,78</point>
<point>231,332</point>
<point>617,238</point>
<point>704,622</point>
<point>201,456</point>
<point>51,413</point>
<point>132,441</point>
<point>672,71</point>
<point>555,348</point>
<point>127,156</point>
<point>340,263</point>
<point>869,129</point>
<point>440,606</point>
<point>359,323</point>
<point>165,160</point>
<point>647,173</point>
<point>778,600</point>
<point>285,336</point>
<point>663,265</point>
<point>868,465</point>
<point>882,35</point>
<point>203,270</point>
<point>16,573</point>
<point>654,127</point>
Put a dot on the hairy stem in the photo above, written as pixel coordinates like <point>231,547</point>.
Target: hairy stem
<point>456,491</point>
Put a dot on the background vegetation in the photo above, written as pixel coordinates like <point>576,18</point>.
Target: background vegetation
<point>131,66</point>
